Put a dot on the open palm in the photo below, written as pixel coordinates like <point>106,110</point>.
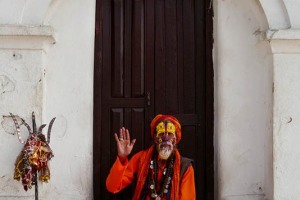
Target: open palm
<point>124,145</point>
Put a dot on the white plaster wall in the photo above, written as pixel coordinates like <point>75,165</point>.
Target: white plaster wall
<point>21,79</point>
<point>69,97</point>
<point>276,14</point>
<point>65,91</point>
<point>292,7</point>
<point>286,127</point>
<point>243,102</point>
<point>29,12</point>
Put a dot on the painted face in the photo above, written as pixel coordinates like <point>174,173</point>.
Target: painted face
<point>165,139</point>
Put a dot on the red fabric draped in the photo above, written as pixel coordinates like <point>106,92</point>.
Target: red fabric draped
<point>143,172</point>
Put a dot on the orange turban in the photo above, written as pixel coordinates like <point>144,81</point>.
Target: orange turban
<point>170,118</point>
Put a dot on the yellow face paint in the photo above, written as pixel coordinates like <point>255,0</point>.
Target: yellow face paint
<point>165,128</point>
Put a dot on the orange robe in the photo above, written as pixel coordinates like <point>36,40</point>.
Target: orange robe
<point>122,174</point>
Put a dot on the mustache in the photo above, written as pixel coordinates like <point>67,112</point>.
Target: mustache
<point>161,145</point>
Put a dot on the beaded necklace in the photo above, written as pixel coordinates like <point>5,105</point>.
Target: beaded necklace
<point>166,179</point>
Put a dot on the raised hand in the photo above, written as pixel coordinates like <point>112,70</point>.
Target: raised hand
<point>124,145</point>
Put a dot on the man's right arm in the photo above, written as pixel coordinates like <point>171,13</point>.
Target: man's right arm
<point>122,174</point>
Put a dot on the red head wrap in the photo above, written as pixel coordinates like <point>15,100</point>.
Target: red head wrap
<point>160,118</point>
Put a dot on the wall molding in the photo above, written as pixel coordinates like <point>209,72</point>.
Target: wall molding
<point>285,41</point>
<point>26,37</point>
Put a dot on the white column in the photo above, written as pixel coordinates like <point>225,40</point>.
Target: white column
<point>22,90</point>
<point>285,46</point>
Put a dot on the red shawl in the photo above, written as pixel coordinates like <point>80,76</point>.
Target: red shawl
<point>143,172</point>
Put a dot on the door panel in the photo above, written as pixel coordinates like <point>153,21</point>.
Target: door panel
<point>150,58</point>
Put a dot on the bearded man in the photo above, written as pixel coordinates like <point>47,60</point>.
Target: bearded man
<point>159,172</point>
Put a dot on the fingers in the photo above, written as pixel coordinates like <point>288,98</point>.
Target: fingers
<point>127,135</point>
<point>122,133</point>
<point>116,137</point>
<point>133,142</point>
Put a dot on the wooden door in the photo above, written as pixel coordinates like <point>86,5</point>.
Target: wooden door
<point>151,57</point>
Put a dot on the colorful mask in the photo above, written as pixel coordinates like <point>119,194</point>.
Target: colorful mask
<point>34,157</point>
<point>165,139</point>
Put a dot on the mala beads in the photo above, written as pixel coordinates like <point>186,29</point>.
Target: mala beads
<point>166,179</point>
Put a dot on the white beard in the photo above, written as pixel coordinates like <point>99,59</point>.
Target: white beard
<point>165,152</point>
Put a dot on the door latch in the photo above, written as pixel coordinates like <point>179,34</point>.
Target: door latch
<point>148,99</point>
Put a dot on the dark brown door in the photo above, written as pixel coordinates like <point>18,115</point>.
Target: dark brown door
<point>151,57</point>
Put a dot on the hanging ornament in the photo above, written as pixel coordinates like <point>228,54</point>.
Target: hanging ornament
<point>35,155</point>
<point>166,178</point>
